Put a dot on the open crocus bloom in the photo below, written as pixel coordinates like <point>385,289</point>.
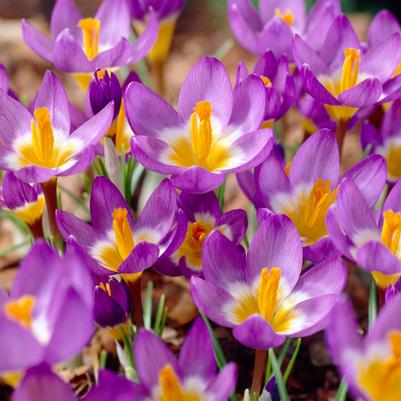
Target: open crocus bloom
<point>372,240</point>
<point>343,75</point>
<point>48,294</point>
<point>204,216</point>
<point>370,365</point>
<point>281,89</point>
<point>81,45</point>
<point>40,146</point>
<point>215,131</point>
<point>305,189</point>
<point>386,140</point>
<point>41,384</point>
<point>114,243</point>
<point>24,200</point>
<point>190,378</point>
<point>262,295</point>
<point>274,23</point>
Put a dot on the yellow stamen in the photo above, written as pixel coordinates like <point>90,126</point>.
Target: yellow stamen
<point>398,70</point>
<point>123,134</point>
<point>393,159</point>
<point>122,232</point>
<point>266,81</point>
<point>391,232</point>
<point>268,292</point>
<point>105,288</point>
<point>349,74</point>
<point>287,17</point>
<point>170,385</point>
<point>380,379</point>
<point>309,212</point>
<point>100,74</point>
<point>201,130</point>
<point>287,168</point>
<point>21,309</point>
<point>90,30</point>
<point>42,135</point>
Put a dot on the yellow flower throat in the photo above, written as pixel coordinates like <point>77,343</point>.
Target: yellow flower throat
<point>20,310</point>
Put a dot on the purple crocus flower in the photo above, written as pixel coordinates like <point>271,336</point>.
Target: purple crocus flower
<point>191,377</point>
<point>370,365</point>
<point>204,217</point>
<point>306,188</point>
<point>40,146</point>
<point>273,24</point>
<point>261,295</point>
<point>386,139</point>
<point>81,45</point>
<point>111,303</point>
<point>344,76</point>
<point>38,320</point>
<point>371,239</point>
<point>214,132</point>
<point>280,86</point>
<point>24,200</point>
<point>114,243</point>
<point>41,384</point>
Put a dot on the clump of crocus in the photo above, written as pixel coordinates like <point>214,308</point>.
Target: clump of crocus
<point>273,24</point>
<point>344,76</point>
<point>40,146</point>
<point>191,377</point>
<point>372,241</point>
<point>214,132</point>
<point>81,45</point>
<point>386,139</point>
<point>103,89</point>
<point>305,189</point>
<point>114,243</point>
<point>370,365</point>
<point>280,85</point>
<point>47,296</point>
<point>204,217</point>
<point>40,383</point>
<point>24,200</point>
<point>262,295</point>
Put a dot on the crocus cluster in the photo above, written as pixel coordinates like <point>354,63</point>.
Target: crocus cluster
<point>263,229</point>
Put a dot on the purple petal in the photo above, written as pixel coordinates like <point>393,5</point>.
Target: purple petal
<point>256,332</point>
<point>393,201</point>
<point>277,37</point>
<point>363,94</point>
<point>303,53</point>
<point>207,81</point>
<point>17,193</point>
<point>143,256</point>
<point>38,42</point>
<point>65,14</point>
<point>197,180</point>
<point>320,250</point>
<point>206,203</point>
<point>384,24</point>
<point>116,56</point>
<point>234,224</point>
<point>224,384</point>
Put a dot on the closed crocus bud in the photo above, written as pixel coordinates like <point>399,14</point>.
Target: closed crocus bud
<point>112,304</point>
<point>103,89</point>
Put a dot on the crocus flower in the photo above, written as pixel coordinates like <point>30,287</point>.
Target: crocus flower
<point>306,188</point>
<point>261,295</point>
<point>344,76</point>
<point>111,303</point>
<point>274,23</point>
<point>371,239</point>
<point>24,200</point>
<point>81,45</point>
<point>38,320</point>
<point>167,12</point>
<point>215,131</point>
<point>370,365</point>
<point>386,139</point>
<point>280,86</point>
<point>41,384</point>
<point>40,146</point>
<point>114,243</point>
<point>190,378</point>
<point>204,217</point>
<point>105,88</point>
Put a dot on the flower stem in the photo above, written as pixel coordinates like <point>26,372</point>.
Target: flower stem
<point>342,391</point>
<point>292,360</point>
<point>340,134</point>
<point>134,287</point>
<point>258,371</point>
<point>36,229</point>
<point>372,313</point>
<point>50,192</point>
<point>279,377</point>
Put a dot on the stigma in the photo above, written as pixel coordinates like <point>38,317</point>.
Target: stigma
<point>201,131</point>
<point>349,74</point>
<point>90,29</point>
<point>122,232</point>
<point>287,17</point>
<point>21,309</point>
<point>268,292</point>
